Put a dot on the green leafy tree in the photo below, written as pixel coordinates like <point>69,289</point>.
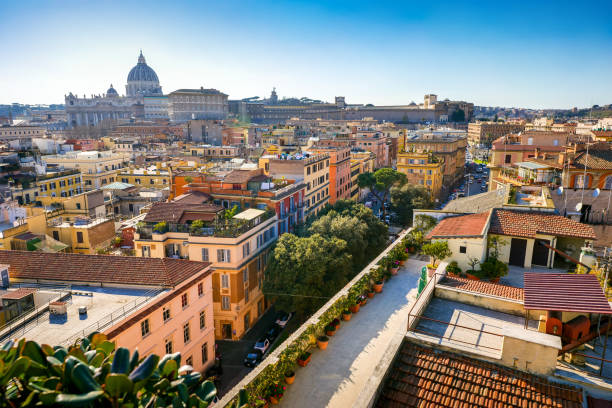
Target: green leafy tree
<point>229,214</point>
<point>304,272</point>
<point>438,251</point>
<point>348,228</point>
<point>92,373</point>
<point>380,183</point>
<point>407,197</point>
<point>458,116</point>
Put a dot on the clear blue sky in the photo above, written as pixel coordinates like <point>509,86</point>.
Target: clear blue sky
<point>520,53</point>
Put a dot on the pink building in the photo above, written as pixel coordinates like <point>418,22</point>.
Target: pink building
<point>159,306</point>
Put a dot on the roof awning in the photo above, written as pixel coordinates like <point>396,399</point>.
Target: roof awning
<point>565,292</point>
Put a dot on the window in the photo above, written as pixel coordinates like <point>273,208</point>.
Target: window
<point>200,289</point>
<point>223,255</point>
<point>246,295</point>
<point>608,183</point>
<point>205,254</point>
<point>508,159</point>
<point>166,314</point>
<point>246,249</point>
<point>189,361</point>
<point>168,346</point>
<point>186,333</point>
<point>78,205</point>
<point>79,237</point>
<point>144,327</point>
<point>530,141</point>
<point>225,281</point>
<point>56,235</point>
<point>202,320</point>
<point>225,303</point>
<point>463,249</point>
<point>184,300</point>
<point>204,353</point>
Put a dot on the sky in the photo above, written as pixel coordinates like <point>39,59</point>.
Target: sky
<point>534,54</point>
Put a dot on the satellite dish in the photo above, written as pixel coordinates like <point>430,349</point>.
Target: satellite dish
<point>578,206</point>
<point>596,192</point>
<point>560,191</point>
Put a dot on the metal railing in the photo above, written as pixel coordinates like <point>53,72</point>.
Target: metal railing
<point>113,317</point>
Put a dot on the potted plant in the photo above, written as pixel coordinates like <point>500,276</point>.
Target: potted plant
<point>378,285</point>
<point>378,276</point>
<point>355,307</point>
<point>371,293</point>
<point>472,274</point>
<point>453,270</point>
<point>346,315</point>
<point>322,342</point>
<point>437,251</point>
<point>275,393</point>
<point>289,376</point>
<point>493,269</point>
<point>260,403</point>
<point>395,267</point>
<point>330,330</point>
<point>363,299</point>
<point>336,323</point>
<point>304,359</point>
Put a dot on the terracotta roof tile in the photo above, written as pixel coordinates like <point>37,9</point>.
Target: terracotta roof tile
<point>452,380</point>
<point>174,211</point>
<point>528,224</point>
<point>487,288</point>
<point>471,225</point>
<point>165,272</point>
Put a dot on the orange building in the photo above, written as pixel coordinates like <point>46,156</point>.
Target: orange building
<point>339,171</point>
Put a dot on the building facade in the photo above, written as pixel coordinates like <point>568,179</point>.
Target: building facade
<point>484,133</point>
<point>187,104</point>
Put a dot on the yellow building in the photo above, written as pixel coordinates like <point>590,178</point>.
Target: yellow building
<point>53,184</point>
<point>361,162</point>
<point>152,177</point>
<point>422,169</point>
<point>236,248</point>
<point>97,167</point>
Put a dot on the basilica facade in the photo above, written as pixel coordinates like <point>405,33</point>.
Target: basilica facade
<point>142,86</point>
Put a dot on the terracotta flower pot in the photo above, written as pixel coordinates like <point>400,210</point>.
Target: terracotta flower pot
<point>371,294</point>
<point>363,302</point>
<point>274,401</point>
<point>472,277</point>
<point>346,317</point>
<point>330,333</point>
<point>354,308</point>
<point>304,363</point>
<point>452,275</point>
<point>378,286</point>
<point>495,280</point>
<point>322,344</point>
<point>402,262</point>
<point>290,379</point>
<point>394,271</point>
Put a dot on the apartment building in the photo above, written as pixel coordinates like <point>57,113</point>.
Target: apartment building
<point>215,152</point>
<point>187,104</point>
<point>21,132</point>
<point>371,141</point>
<point>339,171</point>
<point>423,169</point>
<point>448,144</point>
<point>237,249</point>
<point>159,306</point>
<point>152,176</point>
<point>314,170</point>
<point>52,184</point>
<point>484,133</point>
<point>362,161</point>
<point>97,167</point>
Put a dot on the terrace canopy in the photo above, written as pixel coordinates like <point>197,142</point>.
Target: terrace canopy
<point>565,293</point>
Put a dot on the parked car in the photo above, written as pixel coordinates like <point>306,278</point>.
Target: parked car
<point>272,332</point>
<point>253,358</point>
<point>262,345</point>
<point>282,318</point>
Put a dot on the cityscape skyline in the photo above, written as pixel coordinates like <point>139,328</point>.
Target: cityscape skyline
<point>521,57</point>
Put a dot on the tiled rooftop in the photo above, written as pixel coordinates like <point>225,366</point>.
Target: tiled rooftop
<point>126,270</point>
<point>471,225</point>
<point>173,211</point>
<point>423,377</point>
<point>528,224</point>
<point>486,288</point>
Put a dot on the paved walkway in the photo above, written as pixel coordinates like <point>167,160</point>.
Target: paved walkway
<point>336,376</point>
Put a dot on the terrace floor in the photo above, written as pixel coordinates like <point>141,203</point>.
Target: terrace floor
<point>516,274</point>
<point>465,327</point>
<point>336,376</point>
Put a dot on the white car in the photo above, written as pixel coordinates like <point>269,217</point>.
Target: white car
<point>262,345</point>
<point>282,318</point>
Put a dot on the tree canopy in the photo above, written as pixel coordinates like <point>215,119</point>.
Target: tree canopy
<point>407,197</point>
<point>380,182</point>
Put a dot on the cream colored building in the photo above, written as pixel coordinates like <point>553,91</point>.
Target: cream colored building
<point>97,167</point>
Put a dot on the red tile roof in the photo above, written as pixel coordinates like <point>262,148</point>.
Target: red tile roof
<point>422,377</point>
<point>565,292</point>
<point>487,288</point>
<point>125,270</point>
<point>528,224</point>
<point>17,294</point>
<point>472,225</point>
<point>173,211</point>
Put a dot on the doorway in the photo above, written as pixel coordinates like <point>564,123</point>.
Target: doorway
<point>540,252</point>
<point>226,331</point>
<point>518,247</point>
